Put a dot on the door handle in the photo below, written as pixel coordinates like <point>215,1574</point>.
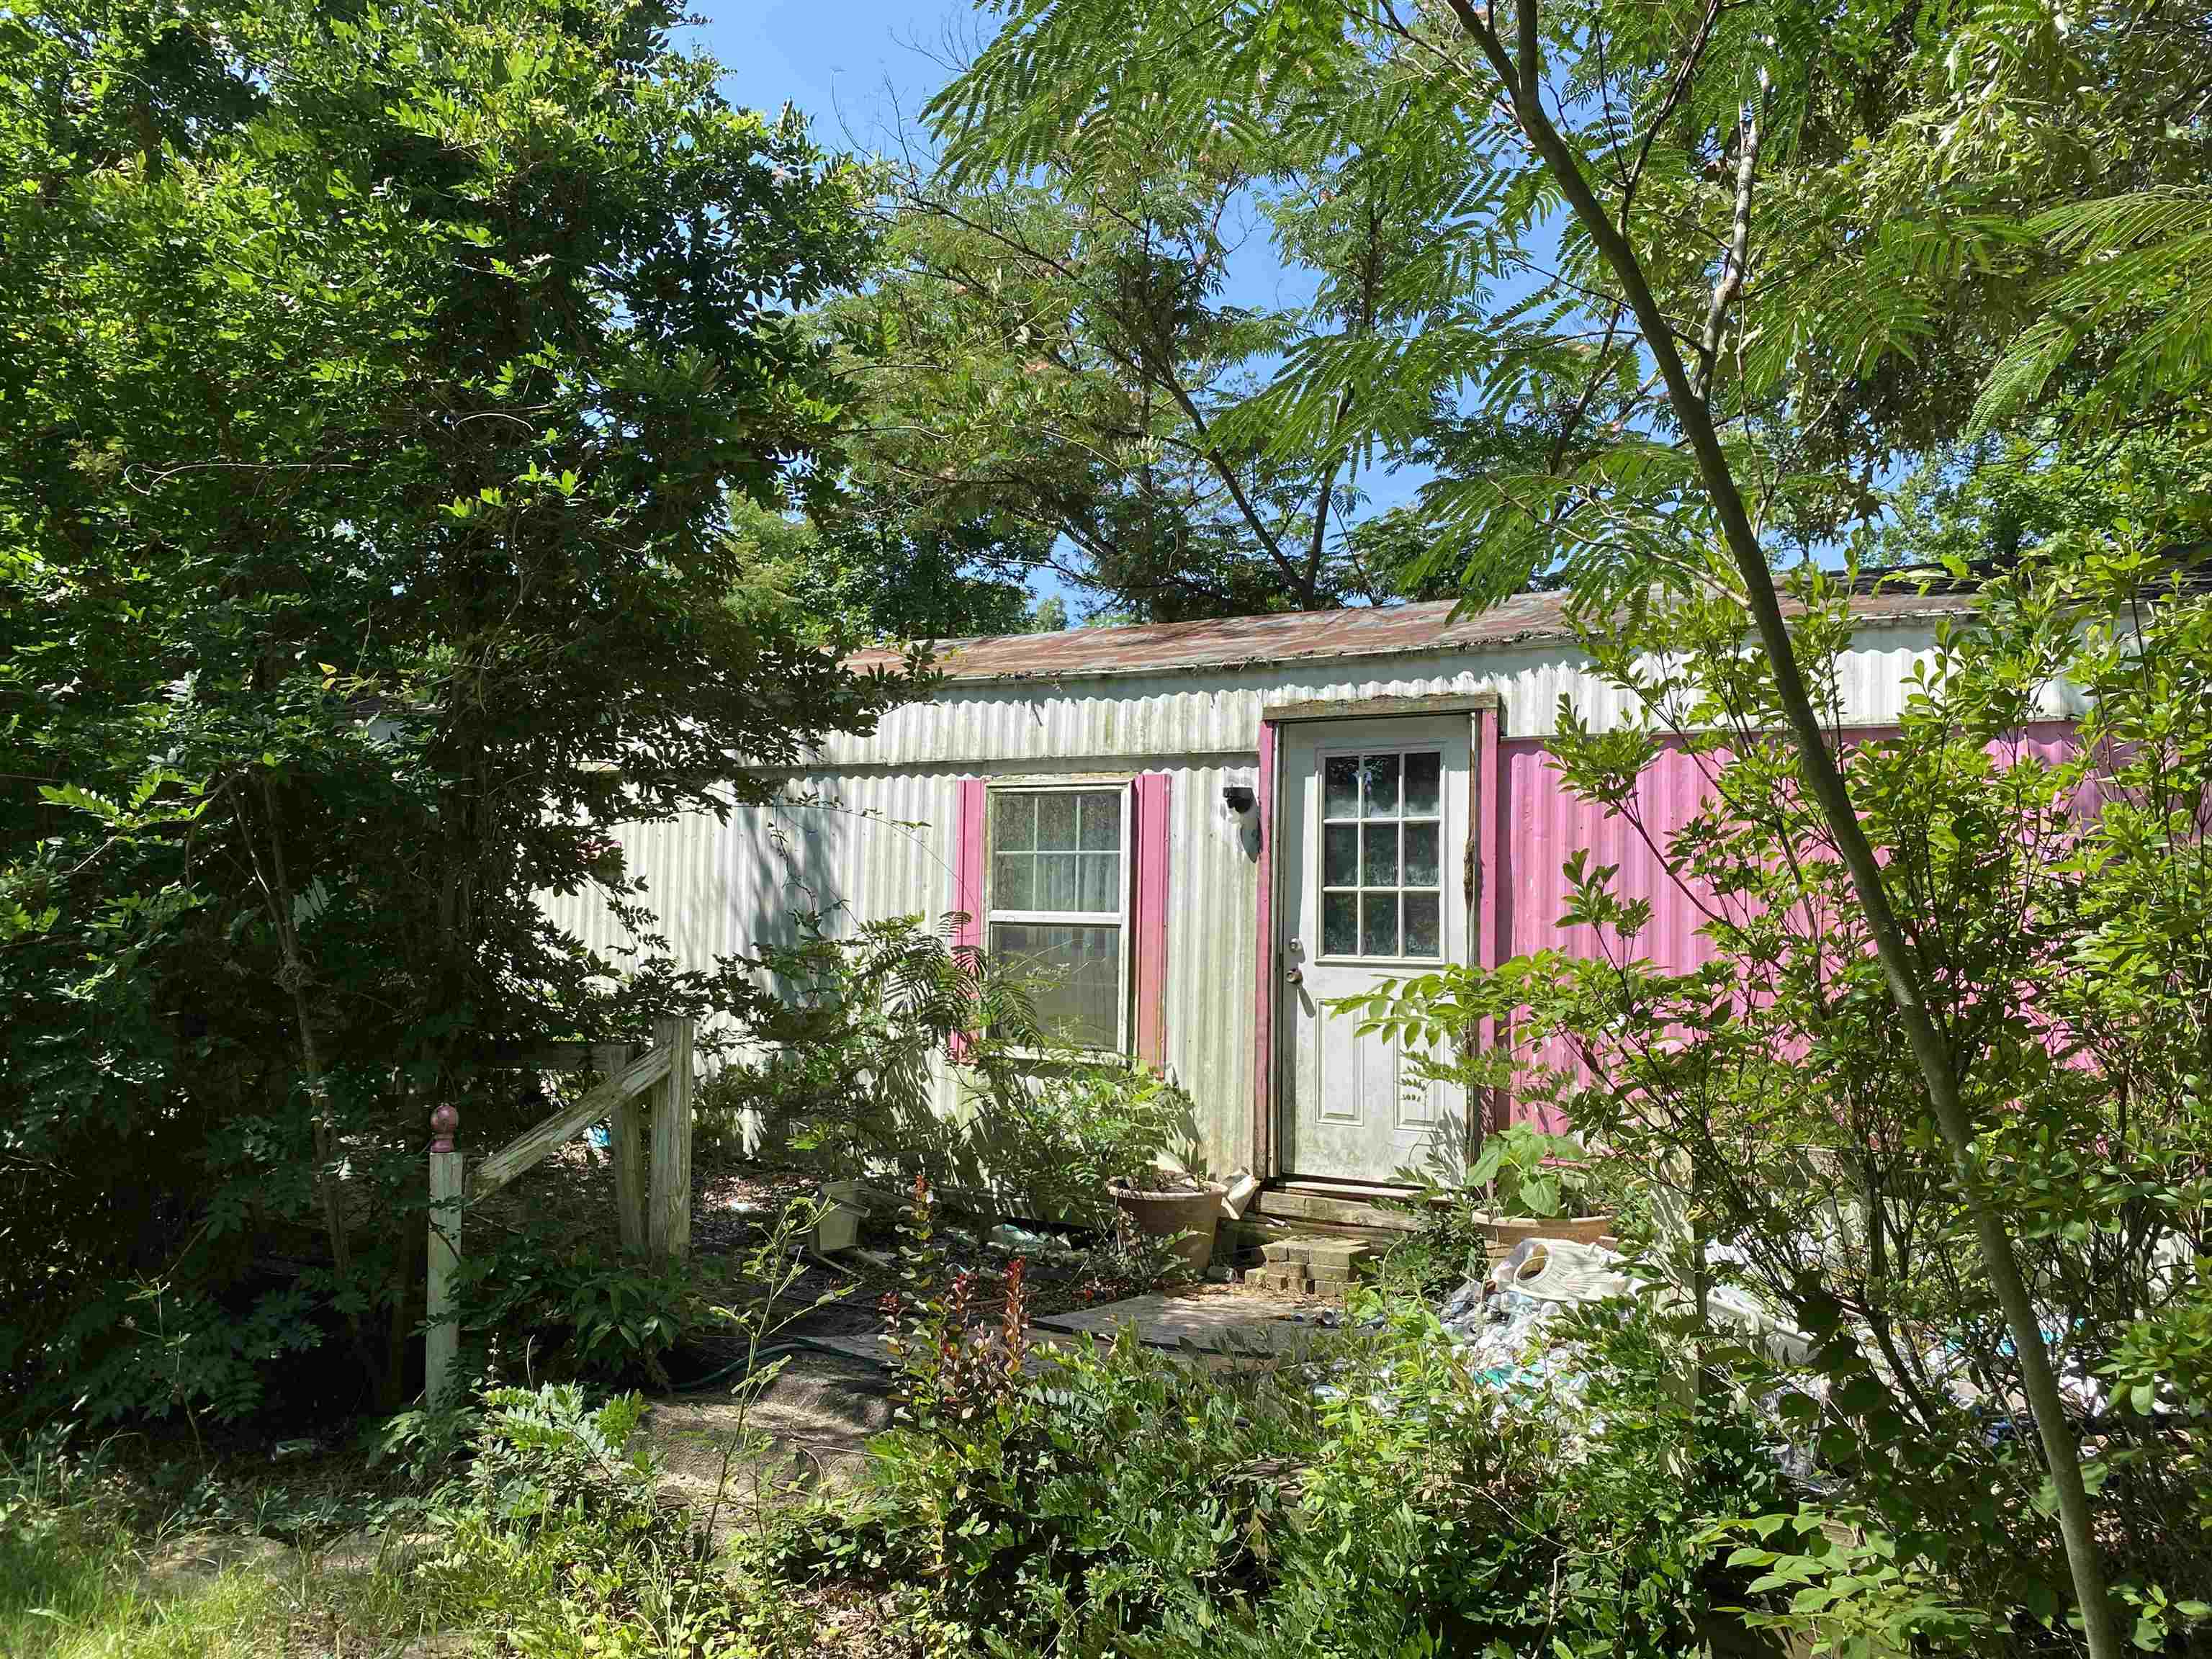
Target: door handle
<point>1293,976</point>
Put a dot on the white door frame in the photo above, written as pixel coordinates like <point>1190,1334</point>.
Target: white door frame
<point>1481,887</point>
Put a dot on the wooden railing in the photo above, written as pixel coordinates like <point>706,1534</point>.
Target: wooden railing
<point>646,1098</point>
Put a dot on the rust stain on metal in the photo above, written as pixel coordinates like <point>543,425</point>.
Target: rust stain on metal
<point>1299,636</point>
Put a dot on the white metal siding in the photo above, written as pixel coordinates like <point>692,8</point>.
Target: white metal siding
<point>871,830</point>
<point>1217,711</point>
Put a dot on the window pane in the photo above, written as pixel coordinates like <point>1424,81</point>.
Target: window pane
<point>1055,881</point>
<point>1340,855</point>
<point>1013,882</point>
<point>1101,813</point>
<point>1099,882</point>
<point>1340,923</point>
<point>1074,974</point>
<point>1055,821</point>
<point>1423,785</point>
<point>1340,787</point>
<point>1421,844</point>
<point>1378,933</point>
<point>1013,821</point>
<point>1381,785</point>
<point>1379,868</point>
<point>1425,931</point>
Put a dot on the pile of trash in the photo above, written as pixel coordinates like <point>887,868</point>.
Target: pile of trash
<point>1501,1317</point>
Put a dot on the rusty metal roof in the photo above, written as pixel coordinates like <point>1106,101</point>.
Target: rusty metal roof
<point>1300,636</point>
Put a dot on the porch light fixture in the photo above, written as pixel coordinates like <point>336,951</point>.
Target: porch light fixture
<point>1237,798</point>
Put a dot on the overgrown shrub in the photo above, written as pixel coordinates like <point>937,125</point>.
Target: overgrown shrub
<point>843,1037</point>
<point>566,1305</point>
<point>1772,1127</point>
<point>1364,1495</point>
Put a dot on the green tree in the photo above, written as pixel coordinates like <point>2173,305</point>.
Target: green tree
<point>1760,251</point>
<point>1057,353</point>
<point>374,382</point>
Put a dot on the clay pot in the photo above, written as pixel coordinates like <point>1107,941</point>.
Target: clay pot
<point>1504,1232</point>
<point>1162,1215</point>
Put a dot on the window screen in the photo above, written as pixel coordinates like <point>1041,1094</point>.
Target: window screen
<point>1058,897</point>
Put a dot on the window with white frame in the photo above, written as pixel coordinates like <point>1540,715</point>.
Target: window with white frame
<point>1058,904</point>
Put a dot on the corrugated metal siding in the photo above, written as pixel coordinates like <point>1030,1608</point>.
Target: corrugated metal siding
<point>871,830</point>
<point>1217,711</point>
<point>1544,825</point>
<point>874,845</point>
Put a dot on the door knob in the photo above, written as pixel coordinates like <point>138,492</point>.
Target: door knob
<point>1294,976</point>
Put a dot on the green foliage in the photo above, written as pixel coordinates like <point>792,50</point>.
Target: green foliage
<point>1124,1500</point>
<point>577,1306</point>
<point>1077,1129</point>
<point>542,1454</point>
<point>1049,359</point>
<point>375,388</point>
<point>855,570</point>
<point>1527,1172</point>
<point>2056,884</point>
<point>846,1031</point>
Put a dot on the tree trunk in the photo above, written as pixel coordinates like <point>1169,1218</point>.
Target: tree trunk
<point>1822,774</point>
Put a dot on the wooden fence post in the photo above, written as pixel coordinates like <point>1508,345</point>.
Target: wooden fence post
<point>625,1125</point>
<point>441,1333</point>
<point>669,1230</point>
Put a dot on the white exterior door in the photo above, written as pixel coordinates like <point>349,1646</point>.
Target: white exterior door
<point>1373,828</point>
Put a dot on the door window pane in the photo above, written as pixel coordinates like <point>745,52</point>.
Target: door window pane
<point>1340,855</point>
<point>1378,930</point>
<point>1423,785</point>
<point>1379,866</point>
<point>1393,856</point>
<point>1340,787</point>
<point>1425,931</point>
<point>1073,975</point>
<point>1381,776</point>
<point>1421,849</point>
<point>1340,923</point>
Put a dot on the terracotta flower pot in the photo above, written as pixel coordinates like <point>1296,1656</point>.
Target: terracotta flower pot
<point>1196,1211</point>
<point>1504,1232</point>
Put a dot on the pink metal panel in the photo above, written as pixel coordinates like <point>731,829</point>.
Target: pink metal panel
<point>968,863</point>
<point>1544,825</point>
<point>967,875</point>
<point>1150,962</point>
<point>1489,761</point>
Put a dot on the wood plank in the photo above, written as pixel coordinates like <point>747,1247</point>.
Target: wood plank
<point>525,1149</point>
<point>442,1332</point>
<point>625,1126</point>
<point>668,1215</point>
<point>1276,1204</point>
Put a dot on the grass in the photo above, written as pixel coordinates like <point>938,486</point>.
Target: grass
<point>85,1574</point>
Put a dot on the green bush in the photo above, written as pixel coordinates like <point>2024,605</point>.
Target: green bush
<point>1366,1497</point>
<point>577,1306</point>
